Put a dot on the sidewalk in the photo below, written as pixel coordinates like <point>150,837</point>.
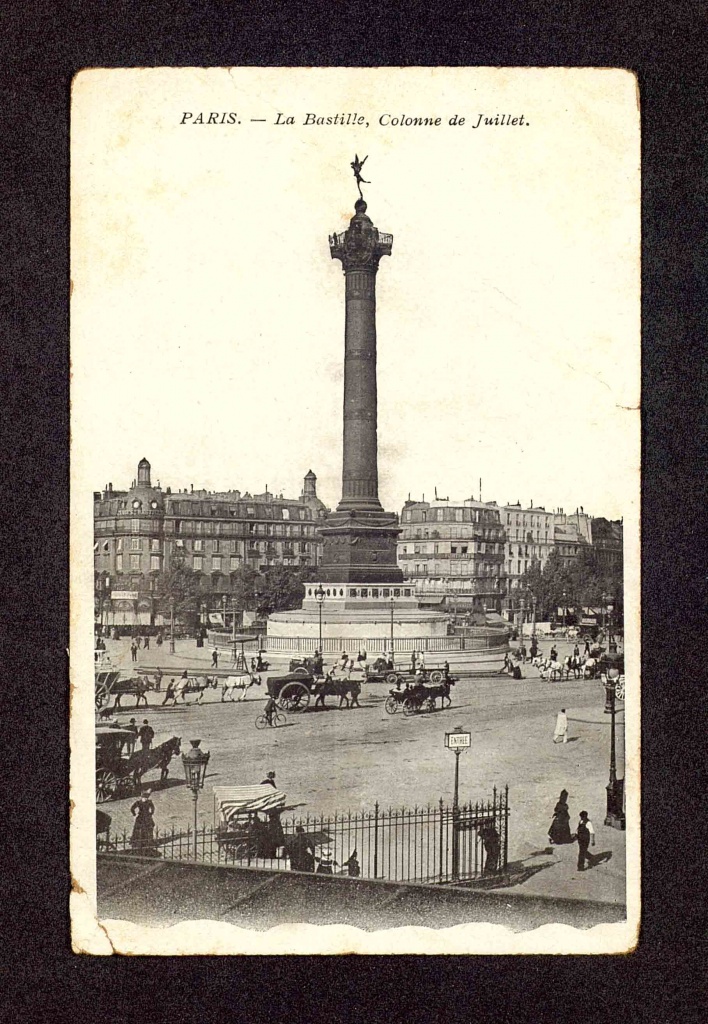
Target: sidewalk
<point>553,871</point>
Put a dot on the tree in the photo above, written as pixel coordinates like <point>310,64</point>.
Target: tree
<point>243,588</point>
<point>179,586</point>
<point>281,588</point>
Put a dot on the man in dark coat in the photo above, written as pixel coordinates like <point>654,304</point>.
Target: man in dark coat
<point>146,734</point>
<point>585,834</point>
<point>302,851</point>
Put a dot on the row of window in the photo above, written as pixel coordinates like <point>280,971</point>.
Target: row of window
<point>483,547</point>
<point>457,569</point>
<point>217,547</point>
<point>136,562</point>
<point>197,526</point>
<point>455,533</point>
<point>450,515</point>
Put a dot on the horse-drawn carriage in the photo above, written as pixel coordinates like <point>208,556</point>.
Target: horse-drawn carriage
<point>417,697</point>
<point>295,691</point>
<point>248,821</point>
<point>111,683</point>
<point>120,768</point>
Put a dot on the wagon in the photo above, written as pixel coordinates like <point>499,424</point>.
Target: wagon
<point>105,680</point>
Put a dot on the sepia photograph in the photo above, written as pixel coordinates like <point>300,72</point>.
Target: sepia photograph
<point>355,499</point>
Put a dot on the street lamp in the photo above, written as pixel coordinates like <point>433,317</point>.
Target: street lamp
<point>533,621</point>
<point>233,620</point>
<point>565,609</point>
<point>392,607</point>
<point>457,741</point>
<point>223,609</point>
<point>195,766</point>
<point>172,625</point>
<point>319,597</point>
<point>611,645</point>
<point>615,787</point>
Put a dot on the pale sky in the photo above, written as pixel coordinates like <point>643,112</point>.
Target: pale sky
<point>208,316</point>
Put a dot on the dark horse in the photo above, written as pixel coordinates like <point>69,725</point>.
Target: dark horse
<point>144,760</point>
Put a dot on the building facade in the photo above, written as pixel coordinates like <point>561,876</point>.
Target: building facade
<point>454,553</point>
<point>136,533</point>
<point>607,541</point>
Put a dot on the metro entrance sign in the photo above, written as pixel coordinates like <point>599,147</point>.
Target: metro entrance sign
<point>458,740</point>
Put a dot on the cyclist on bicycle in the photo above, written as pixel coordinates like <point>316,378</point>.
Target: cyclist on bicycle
<point>270,709</point>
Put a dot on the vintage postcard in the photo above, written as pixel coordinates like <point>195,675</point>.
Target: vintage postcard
<point>355,510</point>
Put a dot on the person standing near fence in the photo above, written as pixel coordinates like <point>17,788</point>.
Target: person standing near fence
<point>326,860</point>
<point>301,851</point>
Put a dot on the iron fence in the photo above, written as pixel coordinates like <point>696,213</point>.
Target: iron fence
<point>439,844</point>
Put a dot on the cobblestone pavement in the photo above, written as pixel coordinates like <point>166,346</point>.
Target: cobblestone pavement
<point>348,759</point>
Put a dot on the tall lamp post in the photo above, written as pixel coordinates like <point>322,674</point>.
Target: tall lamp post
<point>565,609</point>
<point>233,620</point>
<point>195,766</point>
<point>615,787</point>
<point>393,603</point>
<point>457,741</point>
<point>611,645</point>
<point>319,597</point>
<point>533,620</point>
<point>172,625</point>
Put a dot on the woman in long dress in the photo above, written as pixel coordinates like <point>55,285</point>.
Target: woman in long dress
<point>143,840</point>
<point>559,832</point>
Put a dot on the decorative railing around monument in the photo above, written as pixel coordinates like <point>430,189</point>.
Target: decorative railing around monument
<point>439,844</point>
<point>403,645</point>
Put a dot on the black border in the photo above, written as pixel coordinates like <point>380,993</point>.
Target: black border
<point>45,45</point>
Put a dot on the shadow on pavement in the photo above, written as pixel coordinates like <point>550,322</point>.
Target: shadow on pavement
<point>599,858</point>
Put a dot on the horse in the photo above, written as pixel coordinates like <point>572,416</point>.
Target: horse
<point>138,686</point>
<point>241,683</point>
<point>590,668</point>
<point>572,663</point>
<point>158,757</point>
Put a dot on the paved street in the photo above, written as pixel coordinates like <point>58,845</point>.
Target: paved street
<point>338,760</point>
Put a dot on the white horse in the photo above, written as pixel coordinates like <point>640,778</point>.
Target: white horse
<point>235,687</point>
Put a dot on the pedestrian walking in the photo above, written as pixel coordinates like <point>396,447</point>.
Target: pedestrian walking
<point>139,641</point>
<point>585,834</point>
<point>158,641</point>
<point>554,654</point>
<point>269,780</point>
<point>446,670</point>
<point>170,693</point>
<point>301,850</point>
<point>421,661</point>
<point>560,734</point>
<point>143,838</point>
<point>534,648</point>
<point>350,668</point>
<point>134,651</point>
<point>344,659</point>
<point>413,661</point>
<point>559,832</point>
<point>576,651</point>
<point>146,642</point>
<point>215,658</point>
<point>586,649</point>
<point>146,735</point>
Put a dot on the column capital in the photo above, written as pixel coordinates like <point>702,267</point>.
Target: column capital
<point>362,245</point>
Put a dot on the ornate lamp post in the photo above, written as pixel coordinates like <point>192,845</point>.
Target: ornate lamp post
<point>615,787</point>
<point>392,608</point>
<point>533,620</point>
<point>223,609</point>
<point>565,609</point>
<point>319,597</point>
<point>195,766</point>
<point>233,619</point>
<point>611,645</point>
<point>457,741</point>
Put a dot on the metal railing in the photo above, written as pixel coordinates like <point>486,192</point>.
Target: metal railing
<point>403,645</point>
<point>438,844</point>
